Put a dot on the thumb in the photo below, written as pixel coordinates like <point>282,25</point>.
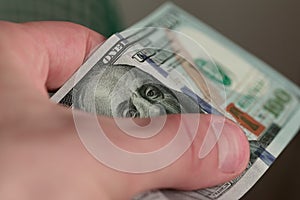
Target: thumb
<point>201,150</point>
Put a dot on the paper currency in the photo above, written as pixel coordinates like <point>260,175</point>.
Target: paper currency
<point>181,65</point>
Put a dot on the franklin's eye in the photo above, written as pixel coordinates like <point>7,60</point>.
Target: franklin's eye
<point>152,92</point>
<point>131,112</point>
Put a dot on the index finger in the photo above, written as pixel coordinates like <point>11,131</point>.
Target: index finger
<point>49,52</point>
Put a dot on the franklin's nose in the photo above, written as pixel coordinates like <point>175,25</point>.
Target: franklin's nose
<point>146,108</point>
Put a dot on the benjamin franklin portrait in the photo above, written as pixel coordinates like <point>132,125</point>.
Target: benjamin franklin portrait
<point>127,91</point>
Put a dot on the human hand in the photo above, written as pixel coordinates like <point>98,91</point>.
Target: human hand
<point>41,154</point>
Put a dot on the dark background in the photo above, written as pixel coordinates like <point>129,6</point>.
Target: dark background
<point>269,29</point>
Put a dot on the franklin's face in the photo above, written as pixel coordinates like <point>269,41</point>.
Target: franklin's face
<point>125,91</point>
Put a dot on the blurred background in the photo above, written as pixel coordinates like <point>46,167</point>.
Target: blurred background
<point>269,29</point>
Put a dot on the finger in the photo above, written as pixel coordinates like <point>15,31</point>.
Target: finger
<point>49,52</point>
<point>66,44</point>
<point>227,158</point>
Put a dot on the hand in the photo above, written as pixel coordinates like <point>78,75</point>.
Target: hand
<point>41,154</point>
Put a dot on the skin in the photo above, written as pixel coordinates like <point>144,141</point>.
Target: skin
<point>41,154</point>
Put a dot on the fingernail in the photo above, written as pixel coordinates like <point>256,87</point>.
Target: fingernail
<point>231,149</point>
<point>231,143</point>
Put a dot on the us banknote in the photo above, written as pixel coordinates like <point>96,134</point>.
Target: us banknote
<point>170,62</point>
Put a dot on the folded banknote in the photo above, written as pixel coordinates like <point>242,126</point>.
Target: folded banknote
<point>170,62</point>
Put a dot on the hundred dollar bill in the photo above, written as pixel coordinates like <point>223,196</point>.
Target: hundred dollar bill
<point>170,62</point>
